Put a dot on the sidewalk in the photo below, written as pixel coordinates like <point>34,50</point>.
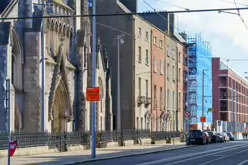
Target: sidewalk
<point>63,158</point>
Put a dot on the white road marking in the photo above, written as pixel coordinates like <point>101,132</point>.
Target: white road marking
<point>201,157</point>
<point>222,157</point>
<point>190,155</point>
<point>241,163</point>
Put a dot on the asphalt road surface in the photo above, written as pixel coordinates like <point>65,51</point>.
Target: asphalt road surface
<point>232,153</point>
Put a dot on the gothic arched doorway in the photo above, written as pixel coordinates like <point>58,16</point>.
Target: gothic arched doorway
<point>60,109</point>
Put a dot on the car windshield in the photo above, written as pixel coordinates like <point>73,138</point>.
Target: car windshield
<point>196,133</point>
<point>210,133</point>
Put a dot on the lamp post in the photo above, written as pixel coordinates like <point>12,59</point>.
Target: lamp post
<point>120,40</point>
<point>203,79</point>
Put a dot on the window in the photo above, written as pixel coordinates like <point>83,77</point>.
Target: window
<point>147,57</point>
<point>173,100</point>
<point>179,57</point>
<point>179,100</point>
<point>168,50</point>
<point>173,54</point>
<point>155,40</point>
<point>179,75</point>
<point>139,54</point>
<point>146,88</point>
<point>139,86</point>
<point>140,33</point>
<point>173,72</point>
<point>168,99</point>
<point>185,74</point>
<point>168,70</point>
<point>161,98</point>
<point>155,65</point>
<point>161,67</point>
<point>185,61</point>
<point>141,123</point>
<point>160,43</point>
<point>147,36</point>
<point>155,97</point>
<point>137,122</point>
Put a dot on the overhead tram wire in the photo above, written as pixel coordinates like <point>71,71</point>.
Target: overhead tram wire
<point>241,18</point>
<point>126,14</point>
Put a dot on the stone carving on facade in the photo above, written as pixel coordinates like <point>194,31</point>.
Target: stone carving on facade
<point>60,72</point>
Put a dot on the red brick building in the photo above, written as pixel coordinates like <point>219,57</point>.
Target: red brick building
<point>229,94</point>
<point>158,80</point>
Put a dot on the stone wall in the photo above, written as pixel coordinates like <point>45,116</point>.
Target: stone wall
<point>32,78</point>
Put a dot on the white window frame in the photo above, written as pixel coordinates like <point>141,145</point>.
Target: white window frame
<point>161,43</point>
<point>147,36</point>
<point>161,67</point>
<point>139,32</point>
<point>155,65</point>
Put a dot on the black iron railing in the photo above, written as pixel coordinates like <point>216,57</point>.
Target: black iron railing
<point>62,141</point>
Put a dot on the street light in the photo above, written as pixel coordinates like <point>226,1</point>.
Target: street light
<point>203,79</point>
<point>120,40</point>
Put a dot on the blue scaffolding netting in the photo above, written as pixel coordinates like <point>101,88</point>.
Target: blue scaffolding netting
<point>200,58</point>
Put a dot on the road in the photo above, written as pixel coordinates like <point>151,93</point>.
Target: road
<point>232,153</point>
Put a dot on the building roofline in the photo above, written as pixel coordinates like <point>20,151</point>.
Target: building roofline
<point>232,70</point>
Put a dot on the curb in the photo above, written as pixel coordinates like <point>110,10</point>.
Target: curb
<point>127,155</point>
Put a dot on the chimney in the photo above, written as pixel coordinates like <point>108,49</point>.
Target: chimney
<point>171,23</point>
<point>184,35</point>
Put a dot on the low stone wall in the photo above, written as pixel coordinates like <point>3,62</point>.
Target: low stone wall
<point>29,151</point>
<point>128,143</point>
<point>109,145</point>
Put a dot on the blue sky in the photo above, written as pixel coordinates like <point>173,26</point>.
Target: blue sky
<point>226,33</point>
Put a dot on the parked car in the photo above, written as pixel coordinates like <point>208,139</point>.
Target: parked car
<point>226,137</point>
<point>230,135</point>
<point>214,138</point>
<point>208,137</point>
<point>197,136</point>
<point>221,137</point>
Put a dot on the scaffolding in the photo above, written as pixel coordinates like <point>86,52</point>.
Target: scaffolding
<point>200,58</point>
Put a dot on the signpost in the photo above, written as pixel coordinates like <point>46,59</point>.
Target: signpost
<point>6,86</point>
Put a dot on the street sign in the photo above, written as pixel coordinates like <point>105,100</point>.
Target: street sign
<point>187,114</point>
<point>93,94</point>
<point>203,119</point>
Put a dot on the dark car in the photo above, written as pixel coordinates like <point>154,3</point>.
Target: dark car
<point>231,136</point>
<point>197,137</point>
<point>214,138</point>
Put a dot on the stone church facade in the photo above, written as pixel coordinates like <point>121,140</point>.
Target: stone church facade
<point>67,68</point>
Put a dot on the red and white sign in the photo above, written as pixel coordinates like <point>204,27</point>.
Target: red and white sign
<point>13,146</point>
<point>187,114</point>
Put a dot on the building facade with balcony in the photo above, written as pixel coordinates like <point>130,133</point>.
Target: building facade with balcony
<point>158,80</point>
<point>230,90</point>
<point>143,65</point>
